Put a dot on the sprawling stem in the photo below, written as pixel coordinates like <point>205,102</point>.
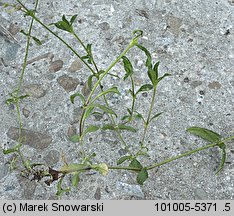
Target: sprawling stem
<point>17,102</point>
<point>57,36</point>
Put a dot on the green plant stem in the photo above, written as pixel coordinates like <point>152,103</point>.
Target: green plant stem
<point>82,44</point>
<point>20,85</point>
<point>63,41</point>
<point>146,124</point>
<point>173,158</point>
<point>133,97</point>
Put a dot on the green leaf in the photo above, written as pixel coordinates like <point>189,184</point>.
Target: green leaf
<point>155,116</point>
<point>75,179</point>
<point>90,129</point>
<point>162,77</point>
<point>37,40</point>
<point>222,146</point>
<point>12,150</point>
<point>128,67</point>
<point>104,108</point>
<point>73,18</point>
<point>88,112</point>
<point>75,138</point>
<point>23,96</point>
<point>125,117</point>
<point>145,87</point>
<point>73,96</point>
<point>64,25</point>
<point>60,190</point>
<point>108,127</point>
<point>122,159</point>
<point>90,82</point>
<point>147,53</point>
<point>152,76</point>
<point>72,168</point>
<point>110,90</point>
<point>205,134</point>
<point>135,164</point>
<point>142,176</point>
<point>126,127</point>
<point>156,69</point>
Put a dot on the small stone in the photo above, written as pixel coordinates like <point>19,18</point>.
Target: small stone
<point>97,194</point>
<point>122,152</point>
<point>34,90</point>
<point>31,138</point>
<point>231,2</point>
<point>104,26</point>
<point>174,24</point>
<point>186,80</point>
<point>68,83</point>
<point>195,83</point>
<point>52,157</point>
<point>214,85</point>
<point>85,90</point>
<point>200,194</point>
<point>14,28</point>
<point>26,113</point>
<point>28,186</point>
<point>75,66</point>
<point>71,131</point>
<point>3,170</point>
<point>130,190</point>
<point>55,66</point>
<point>76,115</point>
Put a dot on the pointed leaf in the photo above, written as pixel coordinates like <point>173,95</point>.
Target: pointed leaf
<point>37,40</point>
<point>88,112</point>
<point>205,134</point>
<point>73,96</point>
<point>155,116</point>
<point>104,108</point>
<point>145,87</point>
<point>222,146</point>
<point>128,67</point>
<point>108,127</point>
<point>142,176</point>
<point>147,53</point>
<point>156,69</point>
<point>12,150</point>
<point>75,179</point>
<point>75,138</point>
<point>135,164</point>
<point>90,129</point>
<point>126,127</point>
<point>122,159</point>
<point>90,82</point>
<point>110,90</point>
<point>165,75</point>
<point>73,18</point>
<point>152,76</point>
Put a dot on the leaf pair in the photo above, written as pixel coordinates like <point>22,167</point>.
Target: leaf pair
<point>213,137</point>
<point>38,42</point>
<point>65,25</point>
<point>142,175</point>
<point>152,70</point>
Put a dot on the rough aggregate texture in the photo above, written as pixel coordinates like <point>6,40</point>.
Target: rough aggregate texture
<point>193,40</point>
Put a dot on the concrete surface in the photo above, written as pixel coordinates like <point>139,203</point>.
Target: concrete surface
<point>193,39</point>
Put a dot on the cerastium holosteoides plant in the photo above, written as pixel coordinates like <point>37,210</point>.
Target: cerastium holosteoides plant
<point>96,102</point>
